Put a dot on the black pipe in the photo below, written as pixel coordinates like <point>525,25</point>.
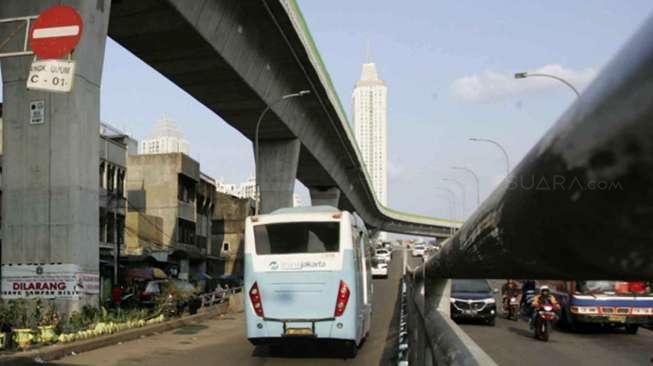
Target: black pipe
<point>580,204</point>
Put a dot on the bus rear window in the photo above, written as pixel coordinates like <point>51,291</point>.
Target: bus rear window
<point>297,238</point>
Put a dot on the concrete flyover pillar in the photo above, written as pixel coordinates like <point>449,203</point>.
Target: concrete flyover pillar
<point>325,196</point>
<point>50,169</point>
<point>276,172</point>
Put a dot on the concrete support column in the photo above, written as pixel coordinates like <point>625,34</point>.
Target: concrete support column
<point>325,196</point>
<point>276,172</point>
<point>50,170</point>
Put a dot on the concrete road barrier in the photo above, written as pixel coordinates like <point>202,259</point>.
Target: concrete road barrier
<point>434,339</point>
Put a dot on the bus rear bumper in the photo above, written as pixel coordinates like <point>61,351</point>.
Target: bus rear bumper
<point>274,330</point>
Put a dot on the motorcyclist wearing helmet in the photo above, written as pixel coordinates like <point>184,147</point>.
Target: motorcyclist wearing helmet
<point>543,298</point>
<point>510,289</point>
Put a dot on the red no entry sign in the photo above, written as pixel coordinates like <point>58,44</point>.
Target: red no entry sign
<point>56,32</point>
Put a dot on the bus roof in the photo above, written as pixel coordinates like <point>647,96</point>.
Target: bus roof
<point>307,209</point>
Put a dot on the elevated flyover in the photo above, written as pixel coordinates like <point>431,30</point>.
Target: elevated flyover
<point>237,58</point>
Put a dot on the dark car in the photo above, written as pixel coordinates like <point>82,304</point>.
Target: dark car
<point>473,299</point>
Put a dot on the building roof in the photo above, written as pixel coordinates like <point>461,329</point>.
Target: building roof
<point>166,128</point>
<point>369,76</point>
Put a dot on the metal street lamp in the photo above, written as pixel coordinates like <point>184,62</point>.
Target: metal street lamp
<point>462,191</point>
<point>503,150</point>
<point>452,204</point>
<point>478,183</point>
<point>256,140</point>
<point>524,75</point>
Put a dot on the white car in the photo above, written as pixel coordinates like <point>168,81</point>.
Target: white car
<point>418,250</point>
<point>383,253</point>
<point>380,269</point>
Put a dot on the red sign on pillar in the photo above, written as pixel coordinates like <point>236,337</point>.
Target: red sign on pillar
<point>56,32</point>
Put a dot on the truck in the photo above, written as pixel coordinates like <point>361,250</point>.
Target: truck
<point>607,303</point>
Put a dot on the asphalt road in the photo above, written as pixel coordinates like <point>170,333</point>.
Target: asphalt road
<point>512,343</point>
<point>222,341</point>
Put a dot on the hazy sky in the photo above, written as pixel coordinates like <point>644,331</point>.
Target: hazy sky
<point>448,66</point>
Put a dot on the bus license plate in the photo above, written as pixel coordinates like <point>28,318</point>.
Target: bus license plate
<point>299,332</point>
<point>617,318</point>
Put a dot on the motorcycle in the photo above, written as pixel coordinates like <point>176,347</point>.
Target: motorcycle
<point>544,319</point>
<point>511,308</point>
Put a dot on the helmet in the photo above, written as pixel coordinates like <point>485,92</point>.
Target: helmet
<point>545,288</point>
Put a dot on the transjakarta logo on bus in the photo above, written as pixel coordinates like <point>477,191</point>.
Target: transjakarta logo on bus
<point>297,265</point>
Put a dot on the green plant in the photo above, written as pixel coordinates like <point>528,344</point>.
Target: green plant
<point>4,313</point>
<point>19,308</point>
<point>50,315</point>
<point>74,323</point>
<point>90,314</point>
<point>38,312</point>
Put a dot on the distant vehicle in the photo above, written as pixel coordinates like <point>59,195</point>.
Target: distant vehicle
<point>418,250</point>
<point>308,275</point>
<point>610,303</point>
<point>379,267</point>
<point>383,253</point>
<point>472,299</point>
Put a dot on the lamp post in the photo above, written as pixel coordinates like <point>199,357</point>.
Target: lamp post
<point>503,150</point>
<point>452,203</point>
<point>478,183</point>
<point>524,75</point>
<point>462,191</point>
<point>256,140</point>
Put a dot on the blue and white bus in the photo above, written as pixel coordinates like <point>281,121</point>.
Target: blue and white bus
<point>308,276</point>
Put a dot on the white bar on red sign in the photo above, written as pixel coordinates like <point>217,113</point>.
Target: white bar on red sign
<point>65,31</point>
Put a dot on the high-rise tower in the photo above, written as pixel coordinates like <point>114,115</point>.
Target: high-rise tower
<point>369,112</point>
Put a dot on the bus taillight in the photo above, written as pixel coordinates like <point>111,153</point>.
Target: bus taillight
<point>342,299</point>
<point>255,297</point>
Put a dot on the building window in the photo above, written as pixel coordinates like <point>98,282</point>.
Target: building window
<point>185,189</point>
<point>121,182</point>
<point>225,247</point>
<point>103,223</point>
<point>102,175</point>
<point>111,173</point>
<point>186,231</point>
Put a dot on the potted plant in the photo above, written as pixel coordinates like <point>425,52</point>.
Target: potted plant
<point>49,318</point>
<point>21,330</point>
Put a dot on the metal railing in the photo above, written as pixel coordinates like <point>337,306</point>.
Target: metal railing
<point>578,205</point>
<point>218,296</point>
<point>402,346</point>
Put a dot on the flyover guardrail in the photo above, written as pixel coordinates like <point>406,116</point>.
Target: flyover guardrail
<point>578,206</point>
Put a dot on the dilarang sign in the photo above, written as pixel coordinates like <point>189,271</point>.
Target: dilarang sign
<point>46,281</point>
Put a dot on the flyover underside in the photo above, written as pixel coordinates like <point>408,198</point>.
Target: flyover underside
<point>237,57</point>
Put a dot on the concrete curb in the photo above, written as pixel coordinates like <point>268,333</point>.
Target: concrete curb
<point>56,351</point>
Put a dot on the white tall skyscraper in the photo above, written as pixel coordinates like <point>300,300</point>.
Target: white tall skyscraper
<point>370,109</point>
<point>165,138</point>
